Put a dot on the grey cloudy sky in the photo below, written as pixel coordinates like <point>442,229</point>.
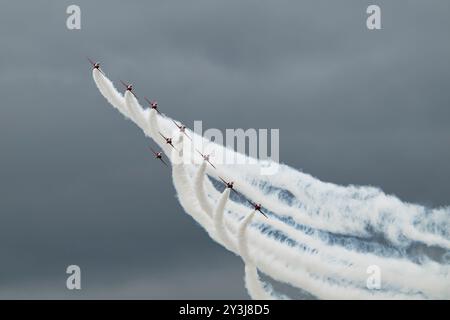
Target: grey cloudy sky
<point>78,185</point>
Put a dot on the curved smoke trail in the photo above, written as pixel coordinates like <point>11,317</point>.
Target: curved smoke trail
<point>222,232</point>
<point>322,259</point>
<point>255,287</point>
<point>200,188</point>
<point>320,237</point>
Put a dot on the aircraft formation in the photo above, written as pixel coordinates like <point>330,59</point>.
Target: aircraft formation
<point>168,140</point>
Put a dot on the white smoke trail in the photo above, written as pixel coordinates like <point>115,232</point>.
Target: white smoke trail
<point>324,259</point>
<point>377,213</point>
<point>188,199</point>
<point>265,256</point>
<point>218,219</point>
<point>138,114</point>
<point>299,197</point>
<point>330,207</point>
<point>398,271</point>
<point>355,274</point>
<point>107,89</point>
<point>266,260</point>
<point>320,236</point>
<point>255,287</point>
<point>200,188</point>
<point>362,273</point>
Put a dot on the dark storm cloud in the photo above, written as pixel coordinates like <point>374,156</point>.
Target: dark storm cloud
<point>79,186</point>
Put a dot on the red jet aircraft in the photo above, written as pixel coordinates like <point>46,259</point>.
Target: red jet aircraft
<point>158,155</point>
<point>129,87</point>
<point>168,140</point>
<point>95,65</point>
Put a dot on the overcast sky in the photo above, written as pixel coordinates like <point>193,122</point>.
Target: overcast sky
<point>77,182</point>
